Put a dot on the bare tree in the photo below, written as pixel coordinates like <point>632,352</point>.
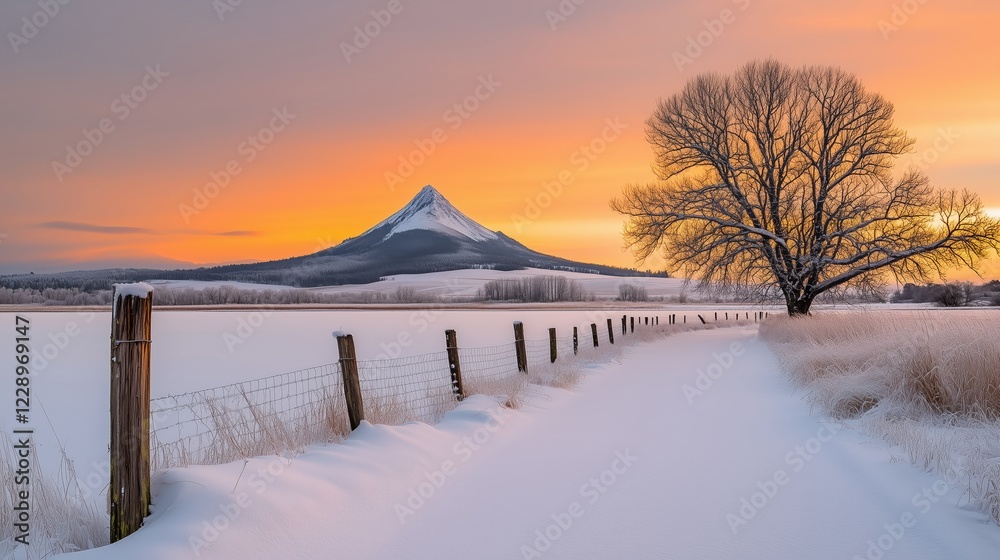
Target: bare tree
<point>780,180</point>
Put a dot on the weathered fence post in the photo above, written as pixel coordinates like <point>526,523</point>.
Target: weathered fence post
<point>522,353</point>
<point>611,332</point>
<point>131,331</point>
<point>727,315</point>
<point>716,316</point>
<point>552,346</point>
<point>633,324</point>
<point>451,341</point>
<point>702,320</point>
<point>593,331</point>
<point>647,320</point>
<point>576,342</point>
<point>624,317</point>
<point>352,382</point>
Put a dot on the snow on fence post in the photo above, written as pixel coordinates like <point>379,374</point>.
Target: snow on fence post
<point>451,341</point>
<point>611,332</point>
<point>593,331</point>
<point>131,329</point>
<point>576,342</point>
<point>522,354</point>
<point>352,383</point>
<point>552,346</point>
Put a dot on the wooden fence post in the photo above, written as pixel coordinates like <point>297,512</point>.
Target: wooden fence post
<point>552,346</point>
<point>576,342</point>
<point>131,331</point>
<point>624,317</point>
<point>352,382</point>
<point>611,332</point>
<point>522,353</point>
<point>451,341</point>
<point>593,331</point>
<point>702,319</point>
<point>633,324</point>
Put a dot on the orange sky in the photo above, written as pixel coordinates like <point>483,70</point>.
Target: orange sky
<point>323,176</point>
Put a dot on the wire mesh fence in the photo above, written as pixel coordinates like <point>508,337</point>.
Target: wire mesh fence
<point>287,411</point>
<point>492,370</point>
<point>261,416</point>
<point>404,389</point>
<point>537,351</point>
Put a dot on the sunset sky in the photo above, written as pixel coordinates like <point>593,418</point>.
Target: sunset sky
<point>201,80</point>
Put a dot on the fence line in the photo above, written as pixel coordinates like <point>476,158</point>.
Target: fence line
<point>244,419</point>
<point>271,414</point>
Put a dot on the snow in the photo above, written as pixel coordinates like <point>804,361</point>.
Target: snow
<point>652,457</point>
<point>139,290</point>
<point>429,210</point>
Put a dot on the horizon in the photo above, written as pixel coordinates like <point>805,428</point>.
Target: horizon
<point>135,150</point>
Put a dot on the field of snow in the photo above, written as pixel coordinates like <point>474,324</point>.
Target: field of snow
<point>693,447</point>
<point>464,283</point>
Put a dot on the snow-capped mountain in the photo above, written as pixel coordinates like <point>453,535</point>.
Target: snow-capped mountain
<point>431,211</point>
<point>427,235</point>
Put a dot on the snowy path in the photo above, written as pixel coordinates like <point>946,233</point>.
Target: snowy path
<point>682,470</point>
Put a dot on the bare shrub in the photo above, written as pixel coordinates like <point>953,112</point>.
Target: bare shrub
<point>632,292</point>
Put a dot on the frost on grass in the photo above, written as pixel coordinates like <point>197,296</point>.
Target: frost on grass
<point>928,383</point>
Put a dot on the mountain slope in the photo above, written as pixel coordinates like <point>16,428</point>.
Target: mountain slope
<point>427,235</point>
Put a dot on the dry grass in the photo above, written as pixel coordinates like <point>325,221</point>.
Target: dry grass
<point>929,383</point>
<point>62,519</point>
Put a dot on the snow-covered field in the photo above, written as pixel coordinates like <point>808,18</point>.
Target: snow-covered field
<point>464,283</point>
<point>691,447</point>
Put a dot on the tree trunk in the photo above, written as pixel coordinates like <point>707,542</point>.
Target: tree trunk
<point>799,306</point>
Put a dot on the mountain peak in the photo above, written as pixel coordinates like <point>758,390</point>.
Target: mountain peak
<point>430,210</point>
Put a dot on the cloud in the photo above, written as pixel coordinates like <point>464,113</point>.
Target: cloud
<point>91,228</point>
<point>126,230</point>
